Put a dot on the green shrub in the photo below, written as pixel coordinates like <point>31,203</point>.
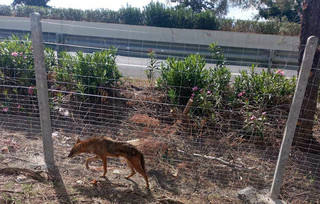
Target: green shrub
<point>24,11</point>
<point>182,18</point>
<point>205,20</point>
<point>265,88</point>
<point>102,15</point>
<point>254,123</point>
<point>288,28</point>
<point>153,66</point>
<point>181,77</point>
<point>217,55</point>
<point>5,10</point>
<point>16,61</point>
<point>267,27</point>
<point>131,16</point>
<point>74,14</point>
<point>91,73</point>
<point>156,14</point>
<point>217,92</point>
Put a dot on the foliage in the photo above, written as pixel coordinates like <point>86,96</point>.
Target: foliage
<point>16,61</point>
<point>152,67</point>
<point>31,2</point>
<point>130,15</point>
<point>180,77</point>
<point>217,92</point>
<point>205,20</point>
<point>5,10</point>
<point>156,14</point>
<point>254,122</point>
<point>218,55</point>
<point>289,28</point>
<point>270,9</point>
<point>219,7</point>
<point>290,9</point>
<point>92,73</point>
<point>264,89</point>
<point>273,26</point>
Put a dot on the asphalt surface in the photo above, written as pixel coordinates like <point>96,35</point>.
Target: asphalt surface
<point>135,67</point>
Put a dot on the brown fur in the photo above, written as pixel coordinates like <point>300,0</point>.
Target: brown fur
<point>105,147</point>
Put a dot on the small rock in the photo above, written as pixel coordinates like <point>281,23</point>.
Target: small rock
<point>55,134</point>
<point>116,171</point>
<point>21,178</point>
<point>5,150</point>
<point>79,182</point>
<point>251,195</point>
<point>64,112</point>
<point>248,195</point>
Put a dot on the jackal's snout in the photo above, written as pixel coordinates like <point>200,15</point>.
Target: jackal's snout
<point>71,154</point>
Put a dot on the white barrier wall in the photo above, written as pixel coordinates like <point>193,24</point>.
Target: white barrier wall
<point>156,34</point>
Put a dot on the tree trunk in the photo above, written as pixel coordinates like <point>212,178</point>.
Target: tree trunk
<point>310,25</point>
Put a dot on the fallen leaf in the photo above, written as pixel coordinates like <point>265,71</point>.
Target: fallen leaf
<point>5,150</point>
<point>94,182</point>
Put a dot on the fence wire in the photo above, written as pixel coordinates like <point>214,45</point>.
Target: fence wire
<point>228,140</point>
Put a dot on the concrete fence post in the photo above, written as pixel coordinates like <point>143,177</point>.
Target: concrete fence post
<point>293,116</point>
<point>270,60</point>
<point>42,88</point>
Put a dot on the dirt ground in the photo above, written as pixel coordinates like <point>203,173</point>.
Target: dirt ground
<point>187,161</point>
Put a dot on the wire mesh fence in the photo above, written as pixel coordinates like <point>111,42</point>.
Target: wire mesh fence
<point>206,132</point>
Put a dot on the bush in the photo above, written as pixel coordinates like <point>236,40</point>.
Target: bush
<point>157,14</point>
<point>152,67</point>
<point>16,61</point>
<point>24,11</point>
<point>180,77</point>
<point>182,18</point>
<point>288,28</point>
<point>205,20</point>
<point>131,16</point>
<point>273,26</point>
<point>5,10</point>
<point>93,73</point>
<point>264,89</point>
<point>217,92</point>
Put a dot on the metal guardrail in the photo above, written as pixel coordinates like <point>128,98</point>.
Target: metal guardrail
<point>267,58</point>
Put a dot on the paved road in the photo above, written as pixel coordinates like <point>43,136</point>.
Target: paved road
<point>135,67</point>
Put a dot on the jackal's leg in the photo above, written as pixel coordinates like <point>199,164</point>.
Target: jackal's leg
<point>104,161</point>
<point>91,159</point>
<point>133,172</point>
<point>136,163</point>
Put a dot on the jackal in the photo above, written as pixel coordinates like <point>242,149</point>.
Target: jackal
<point>105,147</point>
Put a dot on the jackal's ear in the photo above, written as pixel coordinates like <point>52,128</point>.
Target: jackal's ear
<point>78,140</point>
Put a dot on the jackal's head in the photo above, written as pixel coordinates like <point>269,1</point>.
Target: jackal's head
<point>76,149</point>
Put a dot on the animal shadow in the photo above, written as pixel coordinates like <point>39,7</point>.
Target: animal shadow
<point>116,193</point>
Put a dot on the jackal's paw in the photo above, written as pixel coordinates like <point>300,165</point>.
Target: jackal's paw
<point>103,176</point>
<point>87,167</point>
